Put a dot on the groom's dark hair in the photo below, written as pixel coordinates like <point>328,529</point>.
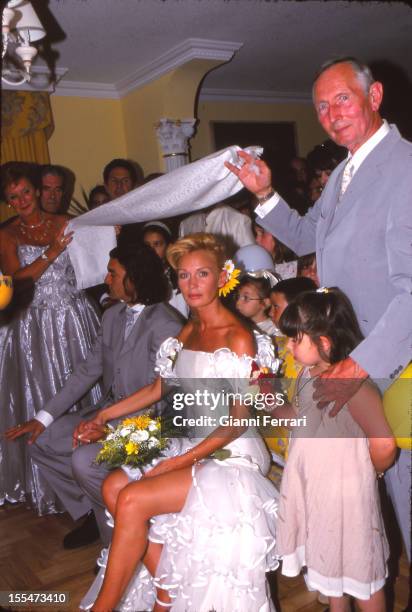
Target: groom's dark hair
<point>145,275</point>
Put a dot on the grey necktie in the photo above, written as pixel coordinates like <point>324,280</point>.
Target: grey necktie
<point>131,316</point>
<point>346,177</point>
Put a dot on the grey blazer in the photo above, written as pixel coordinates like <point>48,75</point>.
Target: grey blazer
<point>364,246</point>
<point>124,367</point>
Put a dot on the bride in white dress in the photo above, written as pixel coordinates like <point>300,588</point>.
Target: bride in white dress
<point>212,521</point>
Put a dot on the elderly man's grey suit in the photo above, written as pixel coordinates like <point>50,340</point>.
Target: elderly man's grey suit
<point>363,245</point>
<point>125,366</point>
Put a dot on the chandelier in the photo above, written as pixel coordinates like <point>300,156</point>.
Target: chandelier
<point>20,28</point>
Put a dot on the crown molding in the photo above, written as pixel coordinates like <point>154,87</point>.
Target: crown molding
<point>40,80</point>
<point>80,89</point>
<point>189,49</point>
<point>208,94</point>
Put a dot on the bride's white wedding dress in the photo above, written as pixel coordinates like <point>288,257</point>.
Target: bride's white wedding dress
<point>219,547</point>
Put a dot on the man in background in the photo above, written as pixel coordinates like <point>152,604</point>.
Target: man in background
<point>52,189</point>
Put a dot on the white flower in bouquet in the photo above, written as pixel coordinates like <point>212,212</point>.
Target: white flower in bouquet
<point>140,436</point>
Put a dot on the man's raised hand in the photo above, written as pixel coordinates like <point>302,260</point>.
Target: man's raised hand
<point>254,174</point>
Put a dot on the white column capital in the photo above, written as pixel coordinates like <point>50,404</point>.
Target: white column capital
<point>173,136</point>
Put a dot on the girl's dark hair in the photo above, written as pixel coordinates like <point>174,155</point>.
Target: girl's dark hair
<point>144,270</point>
<point>167,237</point>
<point>292,287</point>
<point>305,261</point>
<point>329,314</point>
<point>262,285</point>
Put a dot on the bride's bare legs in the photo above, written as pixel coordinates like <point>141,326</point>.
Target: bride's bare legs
<point>151,560</point>
<point>136,504</point>
<point>112,485</point>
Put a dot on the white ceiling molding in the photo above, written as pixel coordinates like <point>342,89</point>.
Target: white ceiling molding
<point>80,89</point>
<point>40,80</point>
<point>189,49</point>
<point>208,94</point>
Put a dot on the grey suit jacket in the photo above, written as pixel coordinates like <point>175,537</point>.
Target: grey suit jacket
<point>364,246</point>
<point>124,366</point>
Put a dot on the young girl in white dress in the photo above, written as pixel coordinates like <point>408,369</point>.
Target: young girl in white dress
<point>215,541</point>
<point>329,519</point>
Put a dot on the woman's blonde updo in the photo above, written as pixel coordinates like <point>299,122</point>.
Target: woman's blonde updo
<point>195,242</point>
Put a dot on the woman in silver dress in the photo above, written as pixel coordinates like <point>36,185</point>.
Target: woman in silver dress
<point>46,331</point>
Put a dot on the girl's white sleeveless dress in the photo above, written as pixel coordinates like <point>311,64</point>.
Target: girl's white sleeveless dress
<point>330,522</point>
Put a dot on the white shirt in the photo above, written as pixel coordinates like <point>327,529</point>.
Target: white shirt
<point>362,153</point>
<point>357,158</point>
<point>224,221</point>
<point>227,222</point>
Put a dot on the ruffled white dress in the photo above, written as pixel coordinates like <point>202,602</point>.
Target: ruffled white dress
<point>218,549</point>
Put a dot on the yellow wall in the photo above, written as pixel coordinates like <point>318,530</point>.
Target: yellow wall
<point>142,109</point>
<point>88,133</point>
<point>308,131</point>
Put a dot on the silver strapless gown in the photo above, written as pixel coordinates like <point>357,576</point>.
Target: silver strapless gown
<point>39,349</point>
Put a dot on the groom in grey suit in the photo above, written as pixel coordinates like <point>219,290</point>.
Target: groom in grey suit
<point>124,357</point>
<point>362,232</point>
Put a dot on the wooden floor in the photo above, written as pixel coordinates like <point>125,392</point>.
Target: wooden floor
<point>32,557</point>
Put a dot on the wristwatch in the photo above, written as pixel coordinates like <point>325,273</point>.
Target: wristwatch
<point>266,197</point>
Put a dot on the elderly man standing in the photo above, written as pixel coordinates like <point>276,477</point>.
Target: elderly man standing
<point>362,233</point>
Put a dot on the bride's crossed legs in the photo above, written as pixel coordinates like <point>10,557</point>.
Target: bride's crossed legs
<point>132,505</point>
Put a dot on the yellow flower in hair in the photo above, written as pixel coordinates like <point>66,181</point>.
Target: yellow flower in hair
<point>232,274</point>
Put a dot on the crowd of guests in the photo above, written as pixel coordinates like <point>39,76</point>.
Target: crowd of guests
<point>195,532</point>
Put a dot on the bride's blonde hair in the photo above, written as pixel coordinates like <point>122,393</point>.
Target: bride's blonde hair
<point>195,242</point>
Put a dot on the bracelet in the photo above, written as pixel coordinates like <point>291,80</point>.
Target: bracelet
<point>266,197</point>
<point>44,256</point>
<point>190,451</point>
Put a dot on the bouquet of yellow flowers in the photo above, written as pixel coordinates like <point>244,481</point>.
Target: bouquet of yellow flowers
<point>136,441</point>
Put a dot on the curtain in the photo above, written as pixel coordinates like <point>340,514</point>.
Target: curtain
<point>27,124</point>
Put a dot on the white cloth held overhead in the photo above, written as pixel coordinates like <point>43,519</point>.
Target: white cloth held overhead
<point>189,188</point>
